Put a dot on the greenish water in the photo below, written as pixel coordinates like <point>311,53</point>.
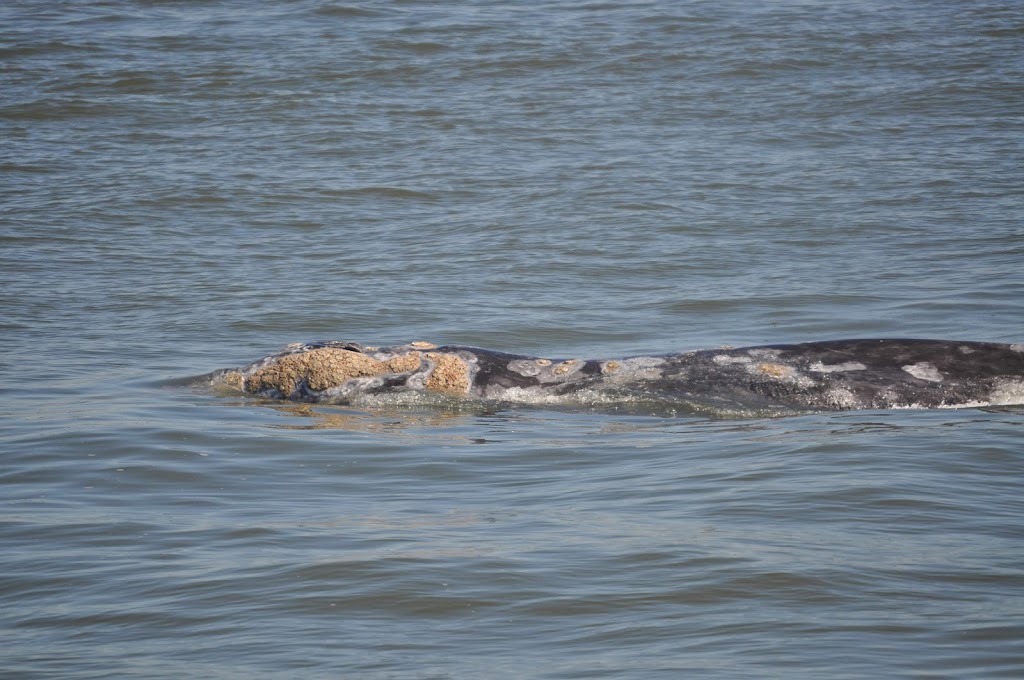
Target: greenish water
<point>189,186</point>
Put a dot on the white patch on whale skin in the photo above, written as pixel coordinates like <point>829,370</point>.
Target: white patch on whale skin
<point>723,359</point>
<point>818,367</point>
<point>527,367</point>
<point>780,372</point>
<point>924,370</point>
<point>567,367</point>
<point>545,370</point>
<point>634,368</point>
<point>347,389</point>
<point>1017,347</point>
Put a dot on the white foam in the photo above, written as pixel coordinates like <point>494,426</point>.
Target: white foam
<point>1007,392</point>
<point>840,397</point>
<point>533,395</point>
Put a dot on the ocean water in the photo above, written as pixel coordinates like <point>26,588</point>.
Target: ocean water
<point>189,186</point>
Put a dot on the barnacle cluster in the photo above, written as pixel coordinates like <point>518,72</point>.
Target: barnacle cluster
<point>325,368</point>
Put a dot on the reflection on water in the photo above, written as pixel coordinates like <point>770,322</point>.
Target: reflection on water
<point>395,422</point>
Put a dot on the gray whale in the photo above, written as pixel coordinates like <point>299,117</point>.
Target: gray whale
<point>828,375</point>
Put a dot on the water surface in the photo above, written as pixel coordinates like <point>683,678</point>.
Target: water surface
<point>189,186</point>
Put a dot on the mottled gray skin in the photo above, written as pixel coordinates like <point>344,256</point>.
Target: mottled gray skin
<point>830,375</point>
<point>850,374</point>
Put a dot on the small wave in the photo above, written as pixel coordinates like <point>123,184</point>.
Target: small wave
<point>345,11</point>
<point>381,192</point>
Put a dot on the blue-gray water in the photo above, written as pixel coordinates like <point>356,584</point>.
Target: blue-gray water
<point>191,185</point>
